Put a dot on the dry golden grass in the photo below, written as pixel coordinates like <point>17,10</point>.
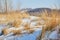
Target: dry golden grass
<point>5,18</point>
<point>52,20</point>
<point>14,18</point>
<point>6,31</point>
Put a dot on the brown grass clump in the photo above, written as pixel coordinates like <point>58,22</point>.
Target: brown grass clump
<point>5,18</point>
<point>52,20</point>
<point>6,31</point>
<point>17,23</point>
<point>16,32</point>
<point>14,18</point>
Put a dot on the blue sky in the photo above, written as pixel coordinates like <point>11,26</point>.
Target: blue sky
<point>33,4</point>
<point>39,3</point>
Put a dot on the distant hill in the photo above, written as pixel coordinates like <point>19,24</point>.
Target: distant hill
<point>37,11</point>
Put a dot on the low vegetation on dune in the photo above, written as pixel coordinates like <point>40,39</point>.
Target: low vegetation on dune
<point>16,22</point>
<point>13,16</point>
<point>19,26</point>
<point>52,21</point>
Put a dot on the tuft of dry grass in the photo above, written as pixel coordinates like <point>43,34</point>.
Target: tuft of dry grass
<point>52,21</point>
<point>5,18</point>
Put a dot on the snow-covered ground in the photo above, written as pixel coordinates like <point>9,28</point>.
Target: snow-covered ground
<point>33,24</point>
<point>32,36</point>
